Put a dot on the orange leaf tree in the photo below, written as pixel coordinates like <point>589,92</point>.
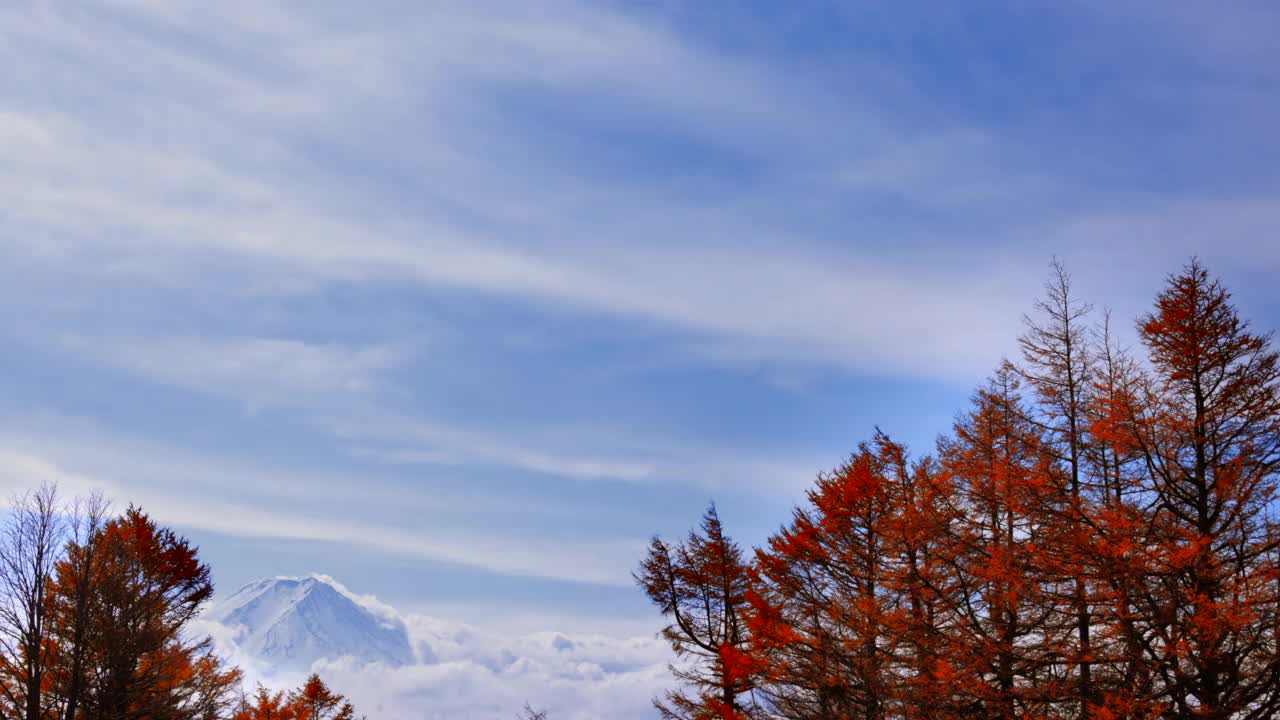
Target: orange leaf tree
<point>1208,428</point>
<point>123,627</point>
<point>700,585</point>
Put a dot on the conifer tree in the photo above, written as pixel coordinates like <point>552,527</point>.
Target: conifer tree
<point>700,586</point>
<point>1005,499</point>
<point>820,618</point>
<point>1208,428</point>
<point>1058,365</point>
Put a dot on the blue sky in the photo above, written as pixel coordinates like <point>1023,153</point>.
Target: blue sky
<point>460,302</point>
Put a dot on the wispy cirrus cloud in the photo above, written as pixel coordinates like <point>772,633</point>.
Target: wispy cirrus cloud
<point>196,493</point>
<point>253,368</point>
<point>242,185</point>
<point>244,190</point>
<point>343,391</point>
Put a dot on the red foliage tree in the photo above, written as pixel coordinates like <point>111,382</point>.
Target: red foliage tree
<point>1059,360</point>
<point>700,585</point>
<point>124,622</point>
<point>1003,638</point>
<point>819,616</point>
<point>1208,427</point>
<point>313,701</point>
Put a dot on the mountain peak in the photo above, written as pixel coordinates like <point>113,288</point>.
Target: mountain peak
<point>291,622</point>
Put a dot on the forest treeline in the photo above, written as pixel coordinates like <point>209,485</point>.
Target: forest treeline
<point>1094,538</point>
<point>94,618</point>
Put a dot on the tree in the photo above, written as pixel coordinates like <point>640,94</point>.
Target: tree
<point>819,609</point>
<point>1002,605</point>
<point>94,624</point>
<point>700,585</point>
<point>1058,364</point>
<point>70,602</point>
<point>528,713</point>
<point>194,684</point>
<point>145,584</point>
<point>312,701</point>
<point>315,701</point>
<point>266,705</point>
<point>1208,429</point>
<point>1115,548</point>
<point>30,547</point>
<point>921,586</point>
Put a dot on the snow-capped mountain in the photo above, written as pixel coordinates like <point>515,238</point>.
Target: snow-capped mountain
<point>291,622</point>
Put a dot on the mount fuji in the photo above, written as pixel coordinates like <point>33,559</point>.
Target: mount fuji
<point>291,622</point>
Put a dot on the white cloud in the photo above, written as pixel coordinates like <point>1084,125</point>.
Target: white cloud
<point>535,461</point>
<point>257,367</point>
<point>21,471</point>
<point>571,686</point>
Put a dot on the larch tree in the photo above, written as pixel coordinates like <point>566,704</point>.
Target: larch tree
<point>823,605</point>
<point>265,705</point>
<point>1117,552</point>
<point>921,586</point>
<point>312,701</point>
<point>315,701</point>
<point>1208,429</point>
<point>701,586</point>
<point>1058,365</point>
<point>95,617</point>
<point>1004,610</point>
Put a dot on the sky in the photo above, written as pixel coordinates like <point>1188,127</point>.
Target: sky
<point>460,302</point>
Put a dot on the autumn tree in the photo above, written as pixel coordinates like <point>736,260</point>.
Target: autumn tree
<point>94,624</point>
<point>312,701</point>
<point>144,584</point>
<point>921,587</point>
<point>315,701</point>
<point>819,608</point>
<point>1208,428</point>
<point>30,547</point>
<point>1002,601</point>
<point>700,585</point>
<point>1114,548</point>
<point>70,603</point>
<point>265,705</point>
<point>1059,365</point>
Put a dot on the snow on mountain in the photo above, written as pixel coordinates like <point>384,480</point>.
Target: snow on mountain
<point>290,623</point>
